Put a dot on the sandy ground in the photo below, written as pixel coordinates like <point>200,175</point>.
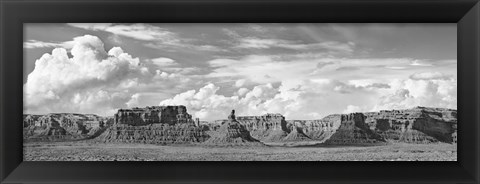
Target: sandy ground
<point>88,151</point>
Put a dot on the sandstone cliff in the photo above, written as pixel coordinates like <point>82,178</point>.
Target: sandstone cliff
<point>232,132</point>
<point>319,130</point>
<point>416,125</point>
<point>157,114</point>
<point>157,125</point>
<point>353,131</point>
<point>267,128</point>
<point>30,120</point>
<point>61,126</point>
<point>273,128</point>
<point>296,135</point>
<point>172,124</point>
<point>154,134</point>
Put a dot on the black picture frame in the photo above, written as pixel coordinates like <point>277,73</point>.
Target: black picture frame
<point>13,13</point>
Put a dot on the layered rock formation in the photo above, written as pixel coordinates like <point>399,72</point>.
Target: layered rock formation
<point>149,115</point>
<point>61,126</point>
<point>353,131</point>
<point>296,135</point>
<point>157,125</point>
<point>231,132</point>
<point>161,133</point>
<point>318,130</point>
<point>29,120</point>
<point>274,128</point>
<point>417,125</point>
<point>267,128</point>
<point>172,125</point>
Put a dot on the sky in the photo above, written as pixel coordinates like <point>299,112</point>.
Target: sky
<point>302,71</point>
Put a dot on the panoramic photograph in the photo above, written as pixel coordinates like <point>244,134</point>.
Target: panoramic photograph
<point>239,92</point>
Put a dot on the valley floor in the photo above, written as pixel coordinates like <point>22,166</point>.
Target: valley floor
<point>91,151</point>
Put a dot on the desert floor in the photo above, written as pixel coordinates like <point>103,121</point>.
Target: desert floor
<point>90,151</point>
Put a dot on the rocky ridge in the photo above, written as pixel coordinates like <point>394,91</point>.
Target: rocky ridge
<point>319,130</point>
<point>157,125</point>
<point>353,130</point>
<point>232,132</point>
<point>416,125</point>
<point>62,126</point>
<point>173,125</point>
<point>267,128</point>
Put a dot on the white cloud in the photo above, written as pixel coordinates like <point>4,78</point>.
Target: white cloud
<point>257,43</point>
<point>242,91</point>
<point>261,69</point>
<point>368,83</point>
<point>306,78</point>
<point>156,37</point>
<point>430,76</point>
<point>240,83</point>
<point>134,100</point>
<point>430,92</point>
<point>91,26</point>
<point>420,63</point>
<point>91,81</point>
<point>315,98</point>
<point>137,31</point>
<point>207,104</point>
<point>30,44</point>
<point>309,99</point>
<point>312,86</point>
<point>257,37</point>
<point>277,68</point>
<point>262,43</point>
<point>99,102</point>
<point>352,109</point>
<point>211,48</point>
<point>163,62</point>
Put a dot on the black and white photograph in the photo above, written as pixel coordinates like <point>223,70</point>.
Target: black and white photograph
<point>239,92</point>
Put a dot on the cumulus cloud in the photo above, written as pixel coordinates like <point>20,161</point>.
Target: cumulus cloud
<point>429,90</point>
<point>316,98</point>
<point>92,80</point>
<point>134,100</point>
<point>240,83</point>
<point>207,104</point>
<point>303,75</point>
<point>242,91</point>
<point>307,99</point>
<point>367,90</point>
<point>352,109</point>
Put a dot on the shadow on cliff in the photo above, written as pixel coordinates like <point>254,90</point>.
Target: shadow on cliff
<point>353,131</point>
<point>96,133</point>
